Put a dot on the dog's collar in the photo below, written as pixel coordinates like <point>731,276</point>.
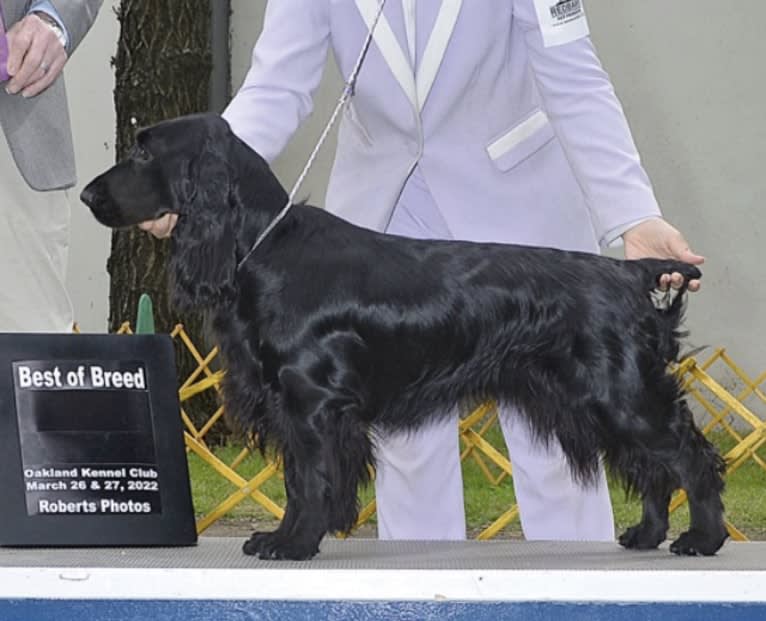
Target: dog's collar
<point>348,92</point>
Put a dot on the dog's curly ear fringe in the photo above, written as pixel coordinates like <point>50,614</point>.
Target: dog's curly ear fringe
<point>203,263</point>
<point>203,256</point>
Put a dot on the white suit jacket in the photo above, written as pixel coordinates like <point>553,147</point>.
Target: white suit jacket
<point>508,115</point>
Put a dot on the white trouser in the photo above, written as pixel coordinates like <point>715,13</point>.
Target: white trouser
<point>34,244</point>
<point>419,485</point>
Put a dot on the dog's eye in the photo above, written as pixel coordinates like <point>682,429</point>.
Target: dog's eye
<point>140,153</point>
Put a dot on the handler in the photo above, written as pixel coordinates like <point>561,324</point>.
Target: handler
<point>483,121</point>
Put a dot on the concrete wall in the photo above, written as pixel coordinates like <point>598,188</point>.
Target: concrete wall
<point>690,77</point>
<point>689,74</point>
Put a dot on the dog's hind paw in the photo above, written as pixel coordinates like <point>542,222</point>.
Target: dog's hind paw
<point>642,537</point>
<point>276,547</point>
<point>694,543</point>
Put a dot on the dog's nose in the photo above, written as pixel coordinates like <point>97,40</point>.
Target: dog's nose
<point>91,195</point>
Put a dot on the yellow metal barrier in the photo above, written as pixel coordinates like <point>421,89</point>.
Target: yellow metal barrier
<point>720,409</point>
<point>718,403</point>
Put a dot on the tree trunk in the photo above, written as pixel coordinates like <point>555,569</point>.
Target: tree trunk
<point>163,69</point>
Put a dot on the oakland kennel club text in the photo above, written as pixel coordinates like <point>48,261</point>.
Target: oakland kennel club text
<point>106,404</point>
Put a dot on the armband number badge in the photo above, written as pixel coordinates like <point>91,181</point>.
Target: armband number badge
<point>561,21</point>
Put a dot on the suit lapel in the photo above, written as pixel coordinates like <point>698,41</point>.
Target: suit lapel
<point>390,49</point>
<point>435,48</point>
<point>416,88</point>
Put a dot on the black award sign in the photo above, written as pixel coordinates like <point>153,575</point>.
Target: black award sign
<point>91,444</point>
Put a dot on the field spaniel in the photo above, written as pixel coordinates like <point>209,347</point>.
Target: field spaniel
<point>330,332</point>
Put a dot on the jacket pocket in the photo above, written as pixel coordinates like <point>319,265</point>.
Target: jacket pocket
<point>521,141</point>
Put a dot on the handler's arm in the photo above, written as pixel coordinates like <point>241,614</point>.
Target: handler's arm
<point>588,118</point>
<point>591,126</point>
<point>286,69</point>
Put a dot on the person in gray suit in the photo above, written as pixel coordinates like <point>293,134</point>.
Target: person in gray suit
<point>36,159</point>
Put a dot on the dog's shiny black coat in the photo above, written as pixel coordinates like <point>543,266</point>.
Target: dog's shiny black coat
<point>330,331</point>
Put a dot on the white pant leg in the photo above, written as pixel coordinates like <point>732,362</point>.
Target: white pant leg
<point>419,483</point>
<point>552,505</point>
<point>34,246</point>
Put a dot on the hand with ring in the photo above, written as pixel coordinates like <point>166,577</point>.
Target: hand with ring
<point>36,56</point>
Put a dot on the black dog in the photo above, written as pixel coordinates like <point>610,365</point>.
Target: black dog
<point>329,331</point>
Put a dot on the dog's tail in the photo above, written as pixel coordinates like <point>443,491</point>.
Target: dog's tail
<point>670,303</point>
<point>671,300</point>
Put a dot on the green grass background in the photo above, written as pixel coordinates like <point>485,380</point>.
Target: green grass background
<point>744,498</point>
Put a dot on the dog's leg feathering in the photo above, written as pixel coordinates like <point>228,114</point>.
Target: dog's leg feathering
<point>327,454</point>
<point>656,487</point>
<point>263,543</point>
<point>700,468</point>
<point>678,456</point>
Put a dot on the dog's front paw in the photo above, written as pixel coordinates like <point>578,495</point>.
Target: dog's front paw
<point>252,546</point>
<point>276,547</point>
<point>642,537</point>
<point>694,542</point>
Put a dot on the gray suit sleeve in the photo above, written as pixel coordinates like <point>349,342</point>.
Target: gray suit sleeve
<point>78,16</point>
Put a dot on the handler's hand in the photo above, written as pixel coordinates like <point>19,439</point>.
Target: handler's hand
<point>657,238</point>
<point>35,56</point>
<point>162,227</point>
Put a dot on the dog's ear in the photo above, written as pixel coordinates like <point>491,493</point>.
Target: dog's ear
<point>203,255</point>
<point>204,181</point>
<point>203,262</point>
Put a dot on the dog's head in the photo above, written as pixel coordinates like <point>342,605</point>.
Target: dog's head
<point>170,165</point>
<point>179,166</point>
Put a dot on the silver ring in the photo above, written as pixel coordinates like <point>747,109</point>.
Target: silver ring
<point>44,66</point>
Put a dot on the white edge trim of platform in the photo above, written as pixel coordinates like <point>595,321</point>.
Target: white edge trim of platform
<point>381,585</point>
